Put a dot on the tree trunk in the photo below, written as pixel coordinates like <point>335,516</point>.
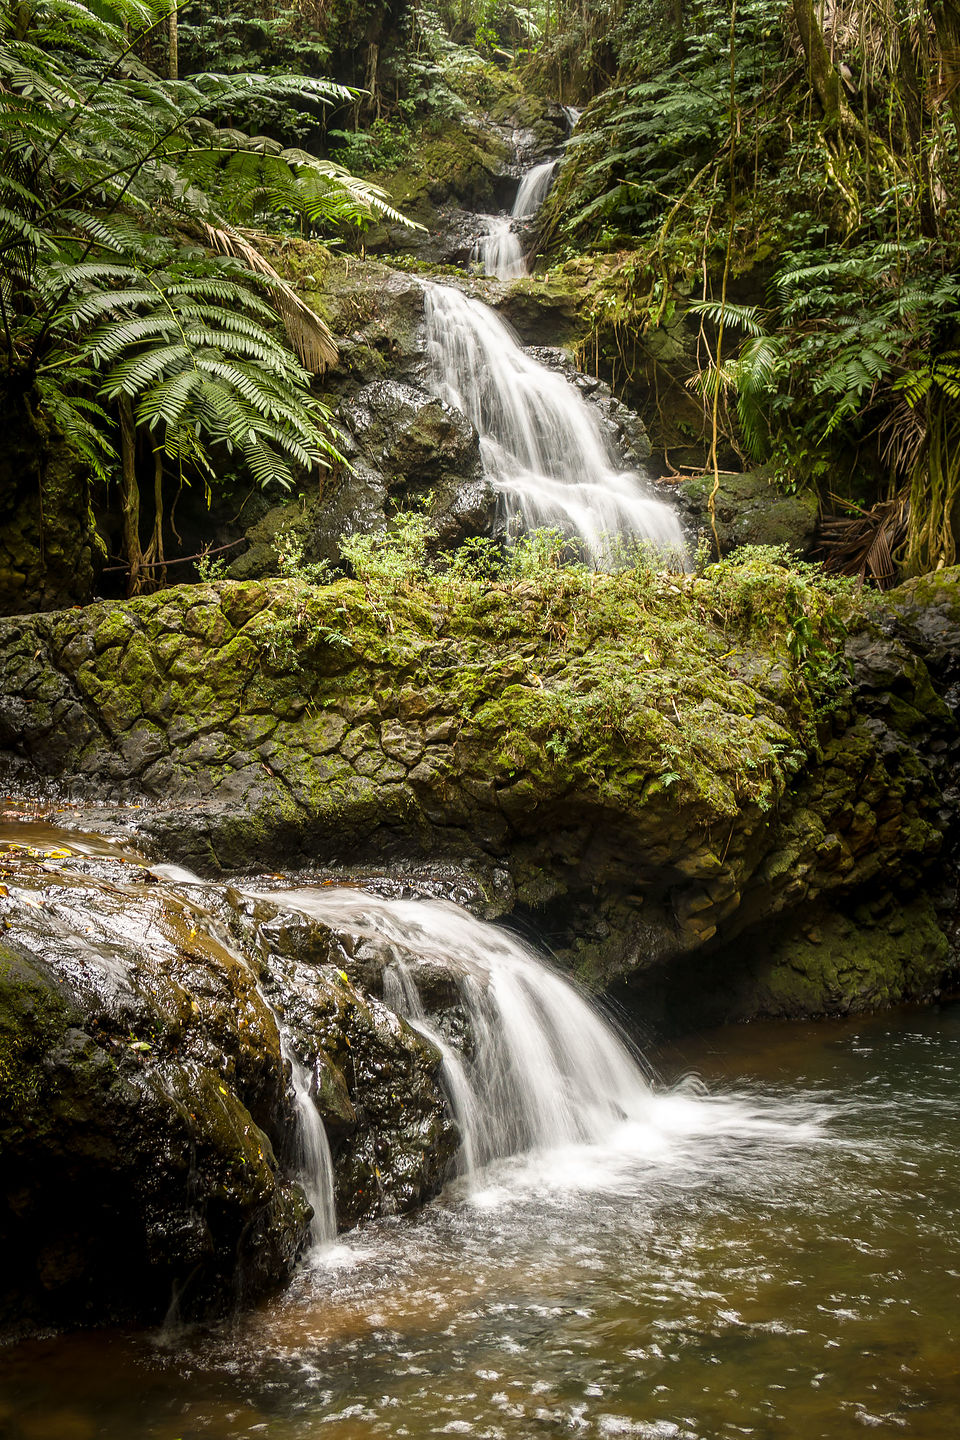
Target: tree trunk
<point>154,560</point>
<point>130,498</point>
<point>173,66</point>
<point>823,76</point>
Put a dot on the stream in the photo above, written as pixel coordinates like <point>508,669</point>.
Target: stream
<point>756,1234</point>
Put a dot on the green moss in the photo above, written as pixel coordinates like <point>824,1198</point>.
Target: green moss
<point>32,1021</point>
<point>837,963</point>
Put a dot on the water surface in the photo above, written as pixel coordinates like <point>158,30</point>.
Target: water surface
<point>778,1257</point>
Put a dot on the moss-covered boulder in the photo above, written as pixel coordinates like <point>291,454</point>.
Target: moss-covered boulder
<point>148,1142</point>
<point>748,509</point>
<point>50,551</point>
<point>653,766</point>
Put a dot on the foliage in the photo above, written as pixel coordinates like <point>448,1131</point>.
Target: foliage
<point>114,186</point>
<point>822,147</point>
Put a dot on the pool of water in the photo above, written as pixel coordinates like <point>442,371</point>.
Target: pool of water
<point>774,1251</point>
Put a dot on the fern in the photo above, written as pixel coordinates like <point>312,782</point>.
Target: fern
<point>101,310</point>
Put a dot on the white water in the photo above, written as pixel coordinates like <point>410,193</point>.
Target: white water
<point>543,1070</point>
<point>533,190</point>
<point>500,251</point>
<point>543,446</point>
<point>314,1162</point>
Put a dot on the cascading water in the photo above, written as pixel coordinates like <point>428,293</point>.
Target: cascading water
<point>541,1069</point>
<point>543,446</point>
<point>314,1161</point>
<point>533,190</point>
<point>500,251</point>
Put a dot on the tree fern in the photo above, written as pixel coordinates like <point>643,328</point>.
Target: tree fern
<point>103,315</point>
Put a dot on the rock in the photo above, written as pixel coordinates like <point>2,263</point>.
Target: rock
<point>147,1132</point>
<point>658,775</point>
<point>423,448</point>
<point>749,510</point>
<point>50,550</point>
<point>144,1094</point>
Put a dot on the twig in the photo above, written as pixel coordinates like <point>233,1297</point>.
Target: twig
<point>181,560</point>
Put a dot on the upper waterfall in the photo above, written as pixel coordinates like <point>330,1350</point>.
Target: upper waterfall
<point>500,251</point>
<point>543,445</point>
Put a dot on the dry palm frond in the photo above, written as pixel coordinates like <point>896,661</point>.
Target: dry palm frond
<point>867,543</point>
<point>309,335</point>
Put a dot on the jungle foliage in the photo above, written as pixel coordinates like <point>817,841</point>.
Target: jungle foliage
<point>136,316</point>
<point>805,159</point>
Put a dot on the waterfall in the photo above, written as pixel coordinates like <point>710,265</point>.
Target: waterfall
<point>314,1161</point>
<point>543,445</point>
<point>500,251</point>
<point>533,190</point>
<point>540,1068</point>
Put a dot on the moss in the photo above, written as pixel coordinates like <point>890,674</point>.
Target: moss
<point>835,963</point>
<point>33,1020</point>
<point>451,166</point>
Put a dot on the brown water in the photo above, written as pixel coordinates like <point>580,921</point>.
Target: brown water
<point>779,1257</point>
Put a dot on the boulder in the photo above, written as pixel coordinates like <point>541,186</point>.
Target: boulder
<point>148,1146</point>
<point>749,509</point>
<point>661,769</point>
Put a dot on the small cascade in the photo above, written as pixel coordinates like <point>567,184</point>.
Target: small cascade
<point>314,1161</point>
<point>543,446</point>
<point>541,1068</point>
<point>533,190</point>
<point>500,251</point>
<point>573,115</point>
<point>400,993</point>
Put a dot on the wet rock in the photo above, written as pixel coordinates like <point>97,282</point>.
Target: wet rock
<point>144,1098</point>
<point>749,509</point>
<point>423,448</point>
<point>147,1130</point>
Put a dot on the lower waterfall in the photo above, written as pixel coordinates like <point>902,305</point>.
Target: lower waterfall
<point>538,1068</point>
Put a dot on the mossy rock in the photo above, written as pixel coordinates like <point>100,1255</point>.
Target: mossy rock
<point>50,549</point>
<point>749,509</point>
<point>657,762</point>
<point>142,1076</point>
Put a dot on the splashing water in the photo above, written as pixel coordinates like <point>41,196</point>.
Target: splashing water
<point>543,446</point>
<point>314,1161</point>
